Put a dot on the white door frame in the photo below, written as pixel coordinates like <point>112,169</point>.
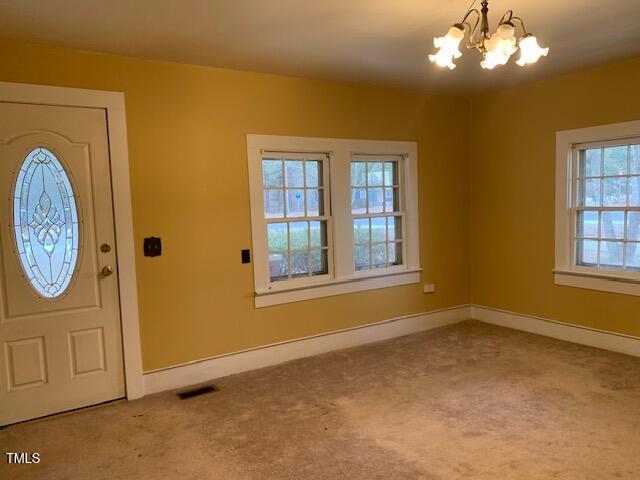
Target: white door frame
<point>113,104</point>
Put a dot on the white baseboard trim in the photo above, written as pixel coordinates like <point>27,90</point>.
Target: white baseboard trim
<point>615,342</point>
<point>215,367</point>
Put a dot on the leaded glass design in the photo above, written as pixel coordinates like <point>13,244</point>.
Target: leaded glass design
<point>294,207</point>
<point>607,207</point>
<point>377,213</point>
<point>45,222</point>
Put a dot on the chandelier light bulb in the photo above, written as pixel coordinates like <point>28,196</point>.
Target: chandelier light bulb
<point>530,51</point>
<point>448,48</point>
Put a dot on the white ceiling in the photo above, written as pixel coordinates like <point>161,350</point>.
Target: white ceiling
<point>383,42</point>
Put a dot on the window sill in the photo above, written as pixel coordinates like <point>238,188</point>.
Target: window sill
<point>355,283</point>
<point>598,281</point>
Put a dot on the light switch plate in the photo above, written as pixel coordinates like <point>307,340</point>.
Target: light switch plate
<point>429,288</point>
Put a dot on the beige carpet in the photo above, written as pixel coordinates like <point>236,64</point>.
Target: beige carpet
<point>470,401</point>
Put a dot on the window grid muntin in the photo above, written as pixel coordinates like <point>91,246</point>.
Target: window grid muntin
<point>305,188</point>
<point>600,238</point>
<point>397,241</point>
<point>309,249</point>
<point>579,167</point>
<point>323,218</point>
<point>396,185</point>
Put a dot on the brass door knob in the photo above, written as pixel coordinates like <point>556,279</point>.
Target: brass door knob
<point>107,270</point>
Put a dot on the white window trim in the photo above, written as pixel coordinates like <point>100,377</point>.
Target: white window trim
<point>566,272</point>
<point>344,278</point>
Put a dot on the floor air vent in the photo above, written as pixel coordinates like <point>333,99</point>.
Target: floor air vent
<point>197,391</point>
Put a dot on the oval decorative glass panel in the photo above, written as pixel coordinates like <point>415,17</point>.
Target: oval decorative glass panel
<point>45,220</point>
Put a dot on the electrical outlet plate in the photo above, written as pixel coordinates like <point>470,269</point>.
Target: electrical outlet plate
<point>430,288</point>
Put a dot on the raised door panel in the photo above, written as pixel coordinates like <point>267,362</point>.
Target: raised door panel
<point>26,363</point>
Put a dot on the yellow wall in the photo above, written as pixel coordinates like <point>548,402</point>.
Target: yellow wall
<point>512,151</point>
<point>187,128</point>
<point>486,192</point>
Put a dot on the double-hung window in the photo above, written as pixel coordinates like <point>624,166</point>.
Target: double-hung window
<point>297,214</point>
<point>331,216</point>
<point>598,208</point>
<point>607,206</point>
<point>376,207</point>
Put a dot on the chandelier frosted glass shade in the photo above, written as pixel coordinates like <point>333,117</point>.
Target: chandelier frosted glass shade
<point>448,48</point>
<point>500,46</point>
<point>496,48</point>
<point>530,51</point>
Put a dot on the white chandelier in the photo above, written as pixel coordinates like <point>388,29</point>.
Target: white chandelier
<point>496,49</point>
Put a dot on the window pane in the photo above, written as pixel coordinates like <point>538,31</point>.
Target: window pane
<point>615,160</point>
<point>378,229</point>
<point>590,193</point>
<point>278,266</point>
<point>361,230</point>
<point>358,200</point>
<point>314,173</point>
<point>633,226</point>
<point>272,173</point>
<point>612,225</point>
<point>300,264</point>
<point>634,191</point>
<point>635,159</point>
<point>294,174</point>
<point>391,200</point>
<point>375,197</point>
<point>395,253</point>
<point>587,224</point>
<point>318,234</point>
<point>319,264</point>
<point>615,192</point>
<point>295,203</point>
<point>590,162</point>
<point>611,254</point>
<point>361,253</point>
<point>391,173</point>
<point>273,204</point>
<point>374,173</point>
<point>277,236</point>
<point>378,255</point>
<point>298,236</point>
<point>394,228</point>
<point>314,203</point>
<point>587,252</point>
<point>633,255</point>
<point>358,174</point>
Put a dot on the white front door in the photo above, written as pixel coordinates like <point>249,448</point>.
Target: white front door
<point>60,330</point>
